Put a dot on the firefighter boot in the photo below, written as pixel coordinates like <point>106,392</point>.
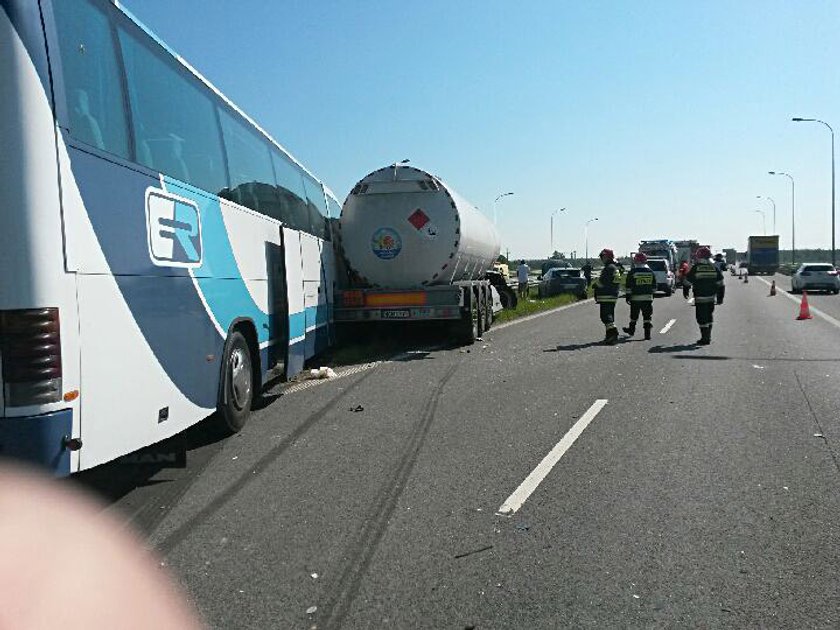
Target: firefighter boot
<point>631,329</point>
<point>612,336</point>
<point>705,336</point>
<point>648,326</point>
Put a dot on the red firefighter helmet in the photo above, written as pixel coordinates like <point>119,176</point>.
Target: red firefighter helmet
<point>640,258</point>
<point>703,252</point>
<point>606,252</point>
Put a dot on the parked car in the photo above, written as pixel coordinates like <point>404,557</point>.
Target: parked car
<point>562,280</point>
<point>553,263</point>
<point>815,276</point>
<point>665,280</point>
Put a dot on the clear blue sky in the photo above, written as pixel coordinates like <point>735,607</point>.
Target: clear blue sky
<point>661,118</point>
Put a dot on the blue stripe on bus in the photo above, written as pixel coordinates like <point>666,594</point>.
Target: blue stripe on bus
<point>167,309</point>
<point>227,300</point>
<point>150,291</point>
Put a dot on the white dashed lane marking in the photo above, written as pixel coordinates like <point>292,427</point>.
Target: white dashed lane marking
<point>527,487</point>
<point>667,327</point>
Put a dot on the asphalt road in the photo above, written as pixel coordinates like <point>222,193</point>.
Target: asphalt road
<point>703,493</point>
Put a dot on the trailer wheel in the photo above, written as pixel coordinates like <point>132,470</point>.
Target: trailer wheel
<point>236,394</point>
<point>467,329</point>
<point>488,310</point>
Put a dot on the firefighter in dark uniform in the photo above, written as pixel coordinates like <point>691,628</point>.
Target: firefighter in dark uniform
<point>720,263</point>
<point>641,283</point>
<point>606,294</point>
<point>707,281</point>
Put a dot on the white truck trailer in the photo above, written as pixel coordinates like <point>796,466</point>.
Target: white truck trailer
<point>414,249</point>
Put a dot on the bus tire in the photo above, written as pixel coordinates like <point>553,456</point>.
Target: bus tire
<point>236,394</point>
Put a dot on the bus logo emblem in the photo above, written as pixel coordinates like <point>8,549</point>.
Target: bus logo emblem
<point>174,228</point>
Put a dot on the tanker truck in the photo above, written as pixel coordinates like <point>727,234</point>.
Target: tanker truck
<point>413,249</point>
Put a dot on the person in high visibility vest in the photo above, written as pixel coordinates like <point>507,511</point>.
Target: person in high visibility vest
<point>706,280</point>
<point>606,294</point>
<point>641,283</point>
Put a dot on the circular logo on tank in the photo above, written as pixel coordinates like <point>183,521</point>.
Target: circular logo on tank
<point>386,243</point>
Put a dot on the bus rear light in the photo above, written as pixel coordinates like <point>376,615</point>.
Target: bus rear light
<point>30,356</point>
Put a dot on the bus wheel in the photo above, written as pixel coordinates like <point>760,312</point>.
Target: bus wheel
<point>237,393</point>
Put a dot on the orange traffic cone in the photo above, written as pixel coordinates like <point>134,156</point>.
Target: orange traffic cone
<point>804,309</point>
<point>772,289</point>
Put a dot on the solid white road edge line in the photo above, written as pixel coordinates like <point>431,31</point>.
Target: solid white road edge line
<point>813,309</point>
<point>667,327</point>
<point>527,487</point>
<point>521,320</point>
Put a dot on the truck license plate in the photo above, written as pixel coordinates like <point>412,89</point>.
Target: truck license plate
<point>396,314</point>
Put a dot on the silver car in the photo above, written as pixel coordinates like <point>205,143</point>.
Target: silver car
<point>665,280</point>
<point>815,276</point>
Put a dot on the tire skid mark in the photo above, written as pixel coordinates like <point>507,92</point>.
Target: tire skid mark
<point>376,522</point>
<point>170,542</point>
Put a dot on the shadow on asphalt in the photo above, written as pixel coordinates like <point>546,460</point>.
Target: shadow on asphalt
<point>575,346</point>
<point>700,357</point>
<point>113,480</point>
<point>364,342</point>
<point>669,349</point>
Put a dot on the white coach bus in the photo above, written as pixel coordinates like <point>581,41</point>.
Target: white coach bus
<point>161,257</point>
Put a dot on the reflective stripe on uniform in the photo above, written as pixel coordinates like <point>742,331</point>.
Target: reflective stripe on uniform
<point>641,298</point>
<point>605,299</point>
<point>699,299</point>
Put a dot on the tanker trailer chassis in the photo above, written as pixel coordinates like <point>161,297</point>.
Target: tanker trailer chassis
<point>466,307</point>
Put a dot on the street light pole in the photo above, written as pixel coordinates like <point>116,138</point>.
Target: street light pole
<point>495,221</point>
<point>551,247</point>
<point>770,199</point>
<point>792,213</point>
<point>816,120</point>
<point>763,220</point>
<point>586,238</point>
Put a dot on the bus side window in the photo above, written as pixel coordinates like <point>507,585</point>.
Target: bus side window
<point>293,210</point>
<point>97,113</point>
<point>249,162</point>
<point>175,126</point>
<point>317,205</point>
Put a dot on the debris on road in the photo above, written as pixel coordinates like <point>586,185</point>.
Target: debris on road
<point>322,372</point>
<point>357,409</point>
<point>758,367</point>
<point>314,576</point>
<point>522,527</point>
<point>311,610</point>
<point>473,552</point>
<point>819,435</point>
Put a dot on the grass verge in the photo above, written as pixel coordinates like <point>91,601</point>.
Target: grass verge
<point>534,305</point>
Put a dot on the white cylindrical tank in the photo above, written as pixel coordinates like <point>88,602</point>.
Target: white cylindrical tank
<point>404,228</point>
